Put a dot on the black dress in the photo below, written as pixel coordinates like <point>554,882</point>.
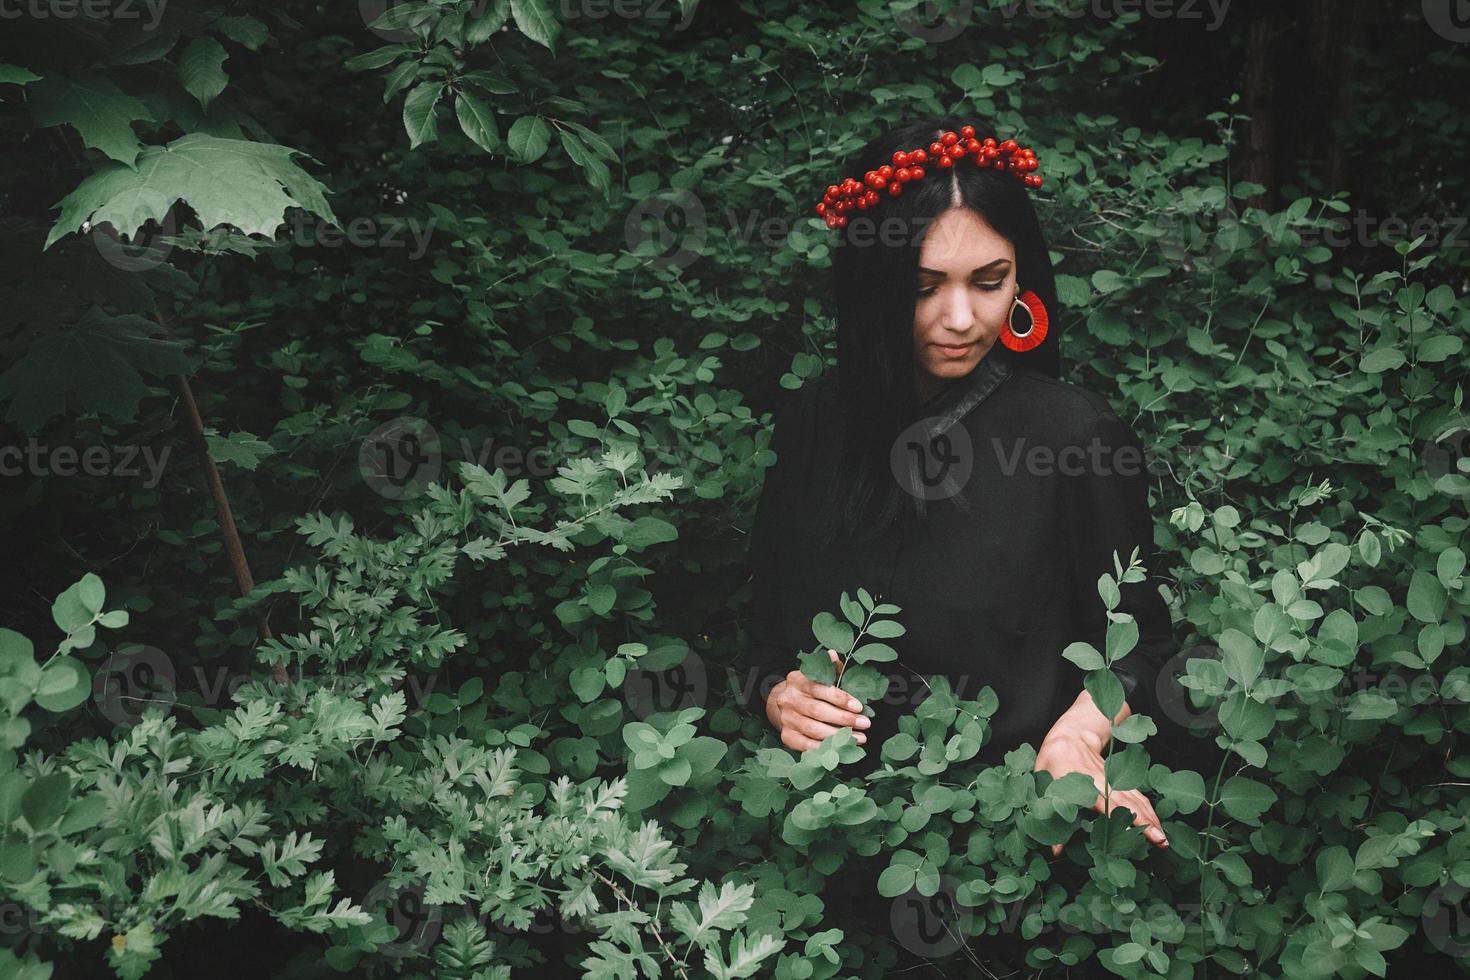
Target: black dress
<point>1000,577</point>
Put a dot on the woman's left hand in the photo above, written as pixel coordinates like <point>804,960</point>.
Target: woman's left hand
<point>1064,751</point>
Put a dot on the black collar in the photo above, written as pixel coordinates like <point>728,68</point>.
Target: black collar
<point>959,399</point>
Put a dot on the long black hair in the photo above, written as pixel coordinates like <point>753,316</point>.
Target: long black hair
<point>875,279</point>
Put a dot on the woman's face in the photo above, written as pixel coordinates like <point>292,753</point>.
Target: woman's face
<point>967,283</point>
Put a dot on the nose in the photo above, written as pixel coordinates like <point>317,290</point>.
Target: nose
<point>958,316</point>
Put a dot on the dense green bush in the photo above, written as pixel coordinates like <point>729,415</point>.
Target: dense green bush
<point>483,356</point>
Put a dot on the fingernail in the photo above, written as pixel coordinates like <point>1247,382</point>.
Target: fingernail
<point>854,705</point>
<point>863,722</point>
<point>861,738</point>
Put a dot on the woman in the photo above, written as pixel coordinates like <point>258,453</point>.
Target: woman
<point>956,476</point>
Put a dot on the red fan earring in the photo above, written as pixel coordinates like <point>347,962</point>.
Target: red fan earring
<point>1032,316</point>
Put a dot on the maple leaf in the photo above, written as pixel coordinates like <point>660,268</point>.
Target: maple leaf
<point>226,181</point>
<point>100,111</point>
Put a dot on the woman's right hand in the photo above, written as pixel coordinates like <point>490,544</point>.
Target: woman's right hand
<point>806,712</point>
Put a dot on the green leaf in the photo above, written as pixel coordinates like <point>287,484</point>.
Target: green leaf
<point>65,684</point>
<point>1243,659</point>
<point>486,22</point>
<point>226,181</point>
<point>1382,359</point>
<point>44,801</point>
<point>1084,655</point>
<point>1126,769</point>
<point>96,364</point>
<point>419,118</point>
<point>241,449</point>
<point>830,632</point>
<point>1245,799</point>
<point>1334,868</point>
<point>1185,789</point>
<point>529,137</point>
<point>1108,281</point>
<point>245,31</point>
<point>15,650</point>
<point>477,121</point>
<point>84,814</point>
<point>15,75</point>
<point>646,531</point>
<point>1437,349</point>
<point>596,171</point>
<point>97,108</point>
<point>378,57</point>
<point>71,611</point>
<point>874,653</point>
<point>201,69</point>
<point>818,665</point>
<point>1106,691</point>
<point>535,20</point>
<point>886,629</point>
<point>1426,599</point>
<point>864,683</point>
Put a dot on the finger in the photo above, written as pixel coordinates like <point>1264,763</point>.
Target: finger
<point>832,695</point>
<point>1056,850</point>
<point>836,659</point>
<point>1143,815</point>
<point>793,739</point>
<point>823,711</point>
<point>819,730</point>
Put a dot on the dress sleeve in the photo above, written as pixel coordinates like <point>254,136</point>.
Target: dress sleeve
<point>767,657</point>
<point>1110,513</point>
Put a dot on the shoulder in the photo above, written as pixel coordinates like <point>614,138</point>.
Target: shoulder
<point>1072,411</point>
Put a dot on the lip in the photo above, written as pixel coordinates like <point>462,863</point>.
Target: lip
<point>955,352</point>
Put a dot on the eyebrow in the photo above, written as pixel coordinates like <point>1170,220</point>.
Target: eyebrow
<point>984,268</point>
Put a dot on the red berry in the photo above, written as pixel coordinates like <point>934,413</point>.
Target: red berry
<point>919,156</point>
<point>946,161</point>
<point>916,173</point>
<point>886,172</point>
<point>900,158</point>
<point>936,148</point>
<point>1010,146</point>
<point>895,188</point>
<point>967,131</point>
<point>949,139</point>
<point>822,208</point>
<point>990,141</point>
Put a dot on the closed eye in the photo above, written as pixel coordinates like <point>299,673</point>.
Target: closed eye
<point>989,287</point>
